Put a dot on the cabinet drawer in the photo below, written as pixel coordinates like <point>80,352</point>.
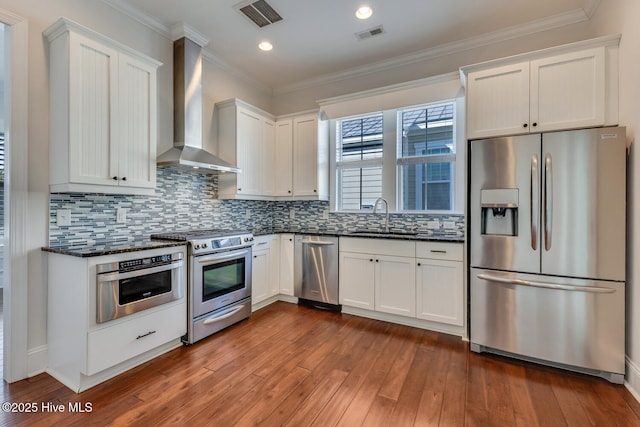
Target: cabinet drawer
<point>389,247</point>
<point>112,345</point>
<point>440,250</point>
<point>263,242</point>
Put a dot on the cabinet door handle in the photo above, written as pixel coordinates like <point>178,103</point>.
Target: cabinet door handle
<point>438,251</point>
<point>525,125</point>
<point>115,178</point>
<point>145,335</point>
<point>239,189</point>
<point>377,260</point>
<point>289,191</point>
<point>315,191</point>
<point>124,178</point>
<point>419,264</point>
<point>370,259</point>
<point>534,124</point>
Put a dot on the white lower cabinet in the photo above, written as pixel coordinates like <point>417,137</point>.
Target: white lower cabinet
<point>264,266</point>
<point>419,280</point>
<point>357,278</point>
<point>286,264</point>
<point>395,285</point>
<point>115,344</point>
<point>439,276</point>
<point>82,352</point>
<point>378,275</point>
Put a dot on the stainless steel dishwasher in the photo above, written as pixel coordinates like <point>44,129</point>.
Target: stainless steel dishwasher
<point>316,271</point>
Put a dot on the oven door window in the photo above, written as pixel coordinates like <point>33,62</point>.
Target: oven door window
<point>141,287</point>
<point>222,278</point>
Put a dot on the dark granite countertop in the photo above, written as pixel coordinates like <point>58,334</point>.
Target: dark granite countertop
<point>109,248</point>
<point>398,235</point>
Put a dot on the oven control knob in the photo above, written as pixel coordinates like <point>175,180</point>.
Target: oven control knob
<point>205,245</point>
<point>197,246</point>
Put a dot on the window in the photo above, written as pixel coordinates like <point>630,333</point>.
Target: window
<point>407,155</point>
<point>359,147</point>
<point>426,158</point>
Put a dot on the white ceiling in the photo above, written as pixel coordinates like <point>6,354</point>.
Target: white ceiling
<point>317,39</point>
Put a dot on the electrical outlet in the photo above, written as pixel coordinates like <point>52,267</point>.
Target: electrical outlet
<point>449,225</point>
<point>292,213</point>
<point>325,214</point>
<point>121,216</point>
<point>63,217</point>
<point>433,224</point>
<point>247,214</point>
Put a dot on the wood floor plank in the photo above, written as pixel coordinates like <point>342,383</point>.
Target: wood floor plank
<point>299,366</point>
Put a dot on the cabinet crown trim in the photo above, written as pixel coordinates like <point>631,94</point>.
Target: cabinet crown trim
<point>605,41</point>
<point>236,102</point>
<point>64,25</point>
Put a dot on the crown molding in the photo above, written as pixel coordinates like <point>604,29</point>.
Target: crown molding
<point>540,25</point>
<point>181,30</point>
<point>591,7</point>
<point>143,18</point>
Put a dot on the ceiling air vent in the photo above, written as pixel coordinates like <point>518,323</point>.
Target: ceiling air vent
<point>371,32</point>
<point>260,12</point>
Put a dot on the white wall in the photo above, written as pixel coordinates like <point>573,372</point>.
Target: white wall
<point>621,16</point>
<point>305,99</point>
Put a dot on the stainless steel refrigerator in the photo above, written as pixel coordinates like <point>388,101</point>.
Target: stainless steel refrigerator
<point>547,248</point>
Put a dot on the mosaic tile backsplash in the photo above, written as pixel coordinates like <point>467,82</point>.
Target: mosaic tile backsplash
<point>187,200</point>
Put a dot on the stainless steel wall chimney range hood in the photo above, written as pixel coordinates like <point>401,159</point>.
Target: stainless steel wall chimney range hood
<point>187,148</point>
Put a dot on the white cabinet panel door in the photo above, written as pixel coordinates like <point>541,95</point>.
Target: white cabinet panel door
<point>268,157</point>
<point>249,151</point>
<point>357,280</point>
<point>260,276</point>
<point>136,141</point>
<point>305,167</point>
<point>395,285</point>
<point>286,264</point>
<point>439,291</point>
<point>93,99</point>
<point>498,101</point>
<point>284,158</point>
<point>568,91</point>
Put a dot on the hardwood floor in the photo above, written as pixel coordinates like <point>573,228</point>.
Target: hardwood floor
<point>296,366</point>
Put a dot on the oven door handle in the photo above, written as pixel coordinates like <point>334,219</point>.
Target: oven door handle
<point>223,315</point>
<point>110,277</point>
<point>218,257</point>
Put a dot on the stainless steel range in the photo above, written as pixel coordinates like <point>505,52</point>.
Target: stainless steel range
<point>219,279</point>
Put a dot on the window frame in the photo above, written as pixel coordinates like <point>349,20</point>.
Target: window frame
<point>390,168</point>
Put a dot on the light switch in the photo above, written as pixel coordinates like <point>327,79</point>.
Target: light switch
<point>449,225</point>
<point>433,224</point>
<point>121,216</point>
<point>63,217</point>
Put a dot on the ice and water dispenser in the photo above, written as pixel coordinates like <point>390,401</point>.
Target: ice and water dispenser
<point>499,211</point>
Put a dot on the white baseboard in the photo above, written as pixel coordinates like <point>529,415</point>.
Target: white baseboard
<point>37,360</point>
<point>632,378</point>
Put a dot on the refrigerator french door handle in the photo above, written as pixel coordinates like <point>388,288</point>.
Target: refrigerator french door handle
<point>548,201</point>
<point>556,286</point>
<point>533,203</point>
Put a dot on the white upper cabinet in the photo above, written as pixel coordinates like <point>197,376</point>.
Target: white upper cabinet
<point>302,171</point>
<point>498,101</point>
<point>283,171</point>
<point>568,87</point>
<point>103,106</point>
<point>246,139</point>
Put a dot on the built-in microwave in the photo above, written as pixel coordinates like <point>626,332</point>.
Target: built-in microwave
<point>130,286</point>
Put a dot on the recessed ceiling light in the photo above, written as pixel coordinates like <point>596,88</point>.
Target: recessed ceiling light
<point>265,46</point>
<point>364,12</point>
